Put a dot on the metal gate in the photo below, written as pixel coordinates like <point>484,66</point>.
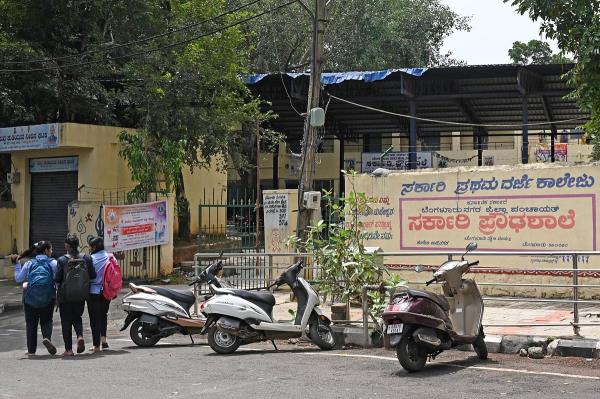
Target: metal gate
<point>230,221</point>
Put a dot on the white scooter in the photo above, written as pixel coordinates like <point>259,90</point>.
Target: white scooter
<point>238,317</point>
<point>158,312</point>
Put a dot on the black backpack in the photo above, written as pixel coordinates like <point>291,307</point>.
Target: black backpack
<point>76,283</point>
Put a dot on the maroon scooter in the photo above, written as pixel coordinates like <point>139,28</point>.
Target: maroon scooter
<point>422,324</point>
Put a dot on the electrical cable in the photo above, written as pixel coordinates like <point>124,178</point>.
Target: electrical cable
<point>138,41</point>
<point>456,123</point>
<point>153,50</point>
<point>278,59</point>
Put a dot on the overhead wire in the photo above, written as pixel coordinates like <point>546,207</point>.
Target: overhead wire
<point>156,49</point>
<point>518,125</point>
<point>138,41</point>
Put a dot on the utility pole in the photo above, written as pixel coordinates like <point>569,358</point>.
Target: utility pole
<point>309,141</point>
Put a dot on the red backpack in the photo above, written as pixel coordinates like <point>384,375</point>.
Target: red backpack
<point>112,281</point>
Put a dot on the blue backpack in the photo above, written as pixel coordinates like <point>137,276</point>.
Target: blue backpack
<point>40,284</point>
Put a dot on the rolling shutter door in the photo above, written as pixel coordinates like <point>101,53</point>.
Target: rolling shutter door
<point>50,196</point>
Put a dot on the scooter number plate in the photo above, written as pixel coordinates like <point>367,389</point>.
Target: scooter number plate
<point>395,329</point>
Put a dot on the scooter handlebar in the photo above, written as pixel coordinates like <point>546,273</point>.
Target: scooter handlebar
<point>473,263</point>
<point>433,280</point>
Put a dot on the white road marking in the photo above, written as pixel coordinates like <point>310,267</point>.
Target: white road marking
<point>485,368</point>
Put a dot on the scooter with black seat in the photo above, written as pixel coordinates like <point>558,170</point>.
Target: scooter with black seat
<point>422,324</point>
<point>157,312</point>
<point>238,317</point>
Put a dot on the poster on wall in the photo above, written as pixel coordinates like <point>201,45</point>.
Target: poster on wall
<point>33,137</point>
<point>135,226</point>
<point>393,161</point>
<point>275,208</point>
<point>529,208</point>
<point>543,152</point>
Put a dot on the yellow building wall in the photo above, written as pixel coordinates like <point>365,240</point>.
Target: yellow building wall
<point>8,227</point>
<point>102,175</point>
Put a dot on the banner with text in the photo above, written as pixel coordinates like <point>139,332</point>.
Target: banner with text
<point>135,226</point>
<point>507,209</point>
<point>33,137</point>
<point>393,161</point>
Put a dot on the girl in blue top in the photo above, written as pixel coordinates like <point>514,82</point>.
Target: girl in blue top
<point>37,266</point>
<point>97,304</point>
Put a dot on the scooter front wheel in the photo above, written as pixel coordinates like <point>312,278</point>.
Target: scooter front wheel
<point>139,336</point>
<point>412,357</point>
<point>322,335</point>
<point>223,342</point>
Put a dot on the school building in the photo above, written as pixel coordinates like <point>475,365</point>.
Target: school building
<point>53,165</point>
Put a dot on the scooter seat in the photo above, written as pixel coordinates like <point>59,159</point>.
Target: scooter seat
<point>184,297</point>
<point>260,296</point>
<point>438,299</point>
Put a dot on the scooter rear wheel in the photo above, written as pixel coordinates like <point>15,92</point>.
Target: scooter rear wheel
<point>222,342</point>
<point>136,332</point>
<point>412,357</point>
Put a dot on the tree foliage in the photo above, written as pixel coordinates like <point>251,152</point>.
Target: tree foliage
<point>361,35</point>
<point>535,52</point>
<point>575,25</point>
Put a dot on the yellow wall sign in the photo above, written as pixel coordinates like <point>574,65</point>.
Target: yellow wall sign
<point>504,209</point>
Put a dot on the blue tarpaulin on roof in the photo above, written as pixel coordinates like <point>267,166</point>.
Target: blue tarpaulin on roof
<point>332,78</point>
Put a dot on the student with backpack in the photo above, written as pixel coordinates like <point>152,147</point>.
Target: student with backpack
<point>74,272</point>
<point>104,288</point>
<point>38,294</point>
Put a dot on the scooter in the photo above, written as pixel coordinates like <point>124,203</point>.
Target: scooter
<point>158,312</point>
<point>238,317</point>
<point>422,324</point>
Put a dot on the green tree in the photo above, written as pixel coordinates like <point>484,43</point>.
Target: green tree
<point>361,35</point>
<point>575,25</point>
<point>535,52</point>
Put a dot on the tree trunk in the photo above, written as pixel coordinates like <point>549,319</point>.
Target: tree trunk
<point>183,210</point>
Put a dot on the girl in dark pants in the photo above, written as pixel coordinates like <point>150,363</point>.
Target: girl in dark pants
<point>71,311</point>
<point>97,304</point>
<point>34,315</point>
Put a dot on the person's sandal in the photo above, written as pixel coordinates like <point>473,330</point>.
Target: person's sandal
<point>68,354</point>
<point>105,345</point>
<point>49,346</point>
<point>80,345</point>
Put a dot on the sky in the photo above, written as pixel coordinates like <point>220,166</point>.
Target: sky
<point>495,25</point>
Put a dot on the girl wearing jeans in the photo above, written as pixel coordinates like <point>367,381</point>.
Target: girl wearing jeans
<point>97,304</point>
<point>33,315</point>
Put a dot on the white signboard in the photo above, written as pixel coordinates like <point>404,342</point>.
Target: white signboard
<point>135,226</point>
<point>393,161</point>
<point>33,137</point>
<point>276,211</point>
<point>57,164</point>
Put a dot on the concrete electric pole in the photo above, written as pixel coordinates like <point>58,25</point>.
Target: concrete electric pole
<point>309,141</point>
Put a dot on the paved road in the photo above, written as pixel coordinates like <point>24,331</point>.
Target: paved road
<point>181,370</point>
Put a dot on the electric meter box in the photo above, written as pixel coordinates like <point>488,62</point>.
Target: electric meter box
<point>311,200</point>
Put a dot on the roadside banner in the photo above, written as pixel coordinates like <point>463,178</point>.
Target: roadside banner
<point>135,226</point>
<point>538,208</point>
<point>34,137</point>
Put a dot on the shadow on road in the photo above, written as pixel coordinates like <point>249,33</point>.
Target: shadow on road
<point>445,368</point>
<point>266,351</point>
<point>81,357</point>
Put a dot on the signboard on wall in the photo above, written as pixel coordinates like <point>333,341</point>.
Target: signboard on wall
<point>135,226</point>
<point>393,161</point>
<point>528,208</point>
<point>35,137</point>
<point>56,164</point>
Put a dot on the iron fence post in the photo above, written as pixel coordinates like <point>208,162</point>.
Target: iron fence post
<point>365,314</point>
<point>196,266</point>
<point>270,269</point>
<point>575,296</point>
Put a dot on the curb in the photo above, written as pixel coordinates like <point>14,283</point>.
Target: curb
<point>509,344</point>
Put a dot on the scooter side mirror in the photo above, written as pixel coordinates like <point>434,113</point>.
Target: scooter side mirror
<point>472,246</point>
<point>419,268</point>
